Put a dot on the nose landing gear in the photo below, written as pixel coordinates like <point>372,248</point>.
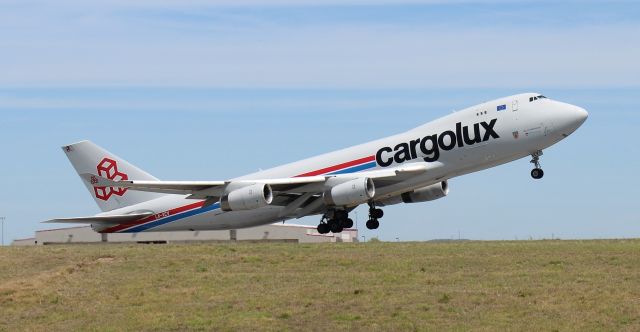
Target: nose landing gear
<point>537,172</point>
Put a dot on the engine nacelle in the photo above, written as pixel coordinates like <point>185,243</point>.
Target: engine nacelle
<point>424,194</point>
<point>351,193</point>
<point>428,193</point>
<point>247,198</point>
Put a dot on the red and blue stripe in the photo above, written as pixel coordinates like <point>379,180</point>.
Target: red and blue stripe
<point>344,168</point>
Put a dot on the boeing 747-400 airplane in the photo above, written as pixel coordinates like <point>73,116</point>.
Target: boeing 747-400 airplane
<point>410,167</point>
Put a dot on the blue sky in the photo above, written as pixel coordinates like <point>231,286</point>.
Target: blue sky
<point>190,90</point>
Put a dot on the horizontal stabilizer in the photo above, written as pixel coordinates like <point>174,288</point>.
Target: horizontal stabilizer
<point>103,220</point>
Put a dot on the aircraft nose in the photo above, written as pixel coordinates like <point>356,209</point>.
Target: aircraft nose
<point>572,118</point>
<point>580,115</point>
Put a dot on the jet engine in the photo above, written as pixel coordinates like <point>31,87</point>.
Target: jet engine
<point>424,194</point>
<point>247,198</point>
<point>428,193</point>
<point>350,193</point>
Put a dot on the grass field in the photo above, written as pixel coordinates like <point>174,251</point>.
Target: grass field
<point>526,285</point>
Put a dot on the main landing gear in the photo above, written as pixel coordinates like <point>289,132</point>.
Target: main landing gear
<point>374,215</point>
<point>335,224</point>
<point>536,173</point>
<point>335,221</point>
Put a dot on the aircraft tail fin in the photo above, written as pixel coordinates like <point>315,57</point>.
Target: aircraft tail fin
<point>87,157</point>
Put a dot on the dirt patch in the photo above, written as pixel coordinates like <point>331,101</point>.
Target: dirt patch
<point>105,259</point>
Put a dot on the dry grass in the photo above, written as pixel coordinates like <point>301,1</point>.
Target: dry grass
<point>539,285</point>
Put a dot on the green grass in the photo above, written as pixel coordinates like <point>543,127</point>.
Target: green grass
<point>539,285</point>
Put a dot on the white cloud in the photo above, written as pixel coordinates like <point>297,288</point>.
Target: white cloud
<point>87,47</point>
<point>156,100</point>
<point>244,3</point>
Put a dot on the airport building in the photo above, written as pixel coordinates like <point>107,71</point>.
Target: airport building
<point>273,232</point>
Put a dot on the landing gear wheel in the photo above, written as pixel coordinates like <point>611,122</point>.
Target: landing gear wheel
<point>335,227</point>
<point>537,173</point>
<point>373,224</point>
<point>323,228</point>
<point>377,213</point>
<point>347,223</point>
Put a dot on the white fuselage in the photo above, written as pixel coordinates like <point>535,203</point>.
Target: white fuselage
<point>505,129</point>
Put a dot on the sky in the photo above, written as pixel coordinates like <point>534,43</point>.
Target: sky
<point>210,90</point>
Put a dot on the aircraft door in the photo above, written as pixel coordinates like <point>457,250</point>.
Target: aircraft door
<point>548,128</point>
<point>514,109</point>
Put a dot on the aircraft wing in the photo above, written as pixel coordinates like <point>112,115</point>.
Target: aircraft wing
<point>297,185</point>
<point>166,187</point>
<point>299,195</point>
<point>103,220</point>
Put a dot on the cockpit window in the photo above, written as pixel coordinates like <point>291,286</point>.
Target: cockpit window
<point>536,98</point>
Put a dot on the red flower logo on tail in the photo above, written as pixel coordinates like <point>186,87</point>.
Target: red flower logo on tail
<point>108,168</point>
